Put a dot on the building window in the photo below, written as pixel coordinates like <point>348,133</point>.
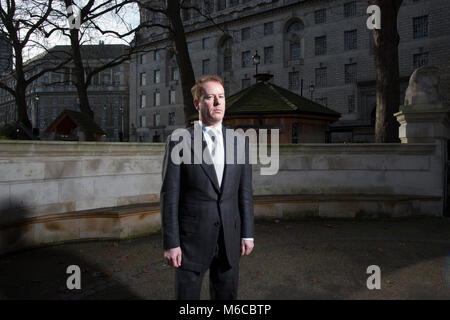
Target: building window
<point>157,56</point>
<point>350,73</point>
<point>171,118</point>
<point>205,66</point>
<point>142,121</point>
<point>320,16</point>
<point>172,96</point>
<point>420,27</point>
<point>190,47</point>
<point>350,9</point>
<point>107,78</point>
<point>56,78</point>
<point>156,99</point>
<point>174,74</point>
<point>245,34</point>
<point>206,43</point>
<point>246,59</point>
<point>117,79</point>
<point>294,80</point>
<point>143,59</point>
<point>321,45</point>
<point>156,17</point>
<point>294,48</point>
<point>295,132</point>
<point>225,49</point>
<point>143,80</point>
<point>143,100</point>
<point>351,103</point>
<point>156,76</point>
<point>350,40</point>
<point>293,45</point>
<point>156,119</point>
<point>268,28</point>
<point>245,83</point>
<point>420,60</point>
<point>321,77</point>
<point>268,55</point>
<point>227,63</point>
<point>221,4</point>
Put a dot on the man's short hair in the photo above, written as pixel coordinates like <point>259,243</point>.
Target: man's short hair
<point>196,90</point>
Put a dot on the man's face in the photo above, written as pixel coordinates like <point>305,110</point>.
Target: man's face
<point>211,104</point>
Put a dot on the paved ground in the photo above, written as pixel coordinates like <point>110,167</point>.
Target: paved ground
<point>321,259</point>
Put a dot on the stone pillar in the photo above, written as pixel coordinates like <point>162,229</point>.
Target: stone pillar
<point>423,117</point>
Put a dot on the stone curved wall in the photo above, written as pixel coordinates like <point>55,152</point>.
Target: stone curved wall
<point>60,191</point>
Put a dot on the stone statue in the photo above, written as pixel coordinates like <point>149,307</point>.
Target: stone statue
<point>423,87</point>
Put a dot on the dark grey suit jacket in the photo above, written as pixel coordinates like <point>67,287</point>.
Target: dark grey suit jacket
<point>193,207</point>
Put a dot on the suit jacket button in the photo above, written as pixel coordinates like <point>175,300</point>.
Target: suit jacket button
<point>217,223</point>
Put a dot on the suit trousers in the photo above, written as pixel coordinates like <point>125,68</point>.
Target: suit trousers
<point>223,278</point>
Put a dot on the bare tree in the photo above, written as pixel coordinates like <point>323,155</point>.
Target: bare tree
<point>387,69</point>
<point>20,23</point>
<point>171,9</point>
<point>89,27</point>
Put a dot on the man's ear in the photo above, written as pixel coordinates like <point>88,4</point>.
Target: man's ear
<point>196,104</point>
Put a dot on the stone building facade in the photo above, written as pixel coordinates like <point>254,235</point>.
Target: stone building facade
<point>53,93</point>
<point>5,55</point>
<point>321,49</point>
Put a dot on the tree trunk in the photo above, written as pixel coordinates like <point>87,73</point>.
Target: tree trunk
<point>179,45</point>
<point>21,87</point>
<point>79,74</point>
<point>388,73</point>
<point>80,82</point>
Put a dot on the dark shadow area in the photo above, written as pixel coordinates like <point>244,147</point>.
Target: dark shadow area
<point>41,273</point>
<point>328,259</point>
<point>292,260</point>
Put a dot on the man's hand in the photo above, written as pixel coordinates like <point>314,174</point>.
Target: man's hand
<point>246,247</point>
<point>173,257</point>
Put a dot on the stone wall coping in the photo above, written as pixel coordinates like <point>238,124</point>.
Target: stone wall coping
<point>153,207</point>
<point>63,148</point>
<point>360,148</point>
<point>10,148</point>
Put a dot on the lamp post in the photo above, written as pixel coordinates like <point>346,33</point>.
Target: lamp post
<point>311,90</point>
<point>256,60</point>
<point>105,122</point>
<point>37,124</point>
<point>121,124</point>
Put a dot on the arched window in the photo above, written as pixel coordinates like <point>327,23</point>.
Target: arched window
<point>225,54</point>
<point>172,73</point>
<point>293,39</point>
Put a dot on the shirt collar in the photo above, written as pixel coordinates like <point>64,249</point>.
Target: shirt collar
<point>217,129</point>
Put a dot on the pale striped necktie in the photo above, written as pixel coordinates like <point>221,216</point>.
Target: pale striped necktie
<point>217,154</point>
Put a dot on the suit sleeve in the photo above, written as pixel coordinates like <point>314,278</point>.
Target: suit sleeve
<point>246,197</point>
<point>169,197</point>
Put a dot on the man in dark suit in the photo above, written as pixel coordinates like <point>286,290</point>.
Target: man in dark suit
<point>207,205</point>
